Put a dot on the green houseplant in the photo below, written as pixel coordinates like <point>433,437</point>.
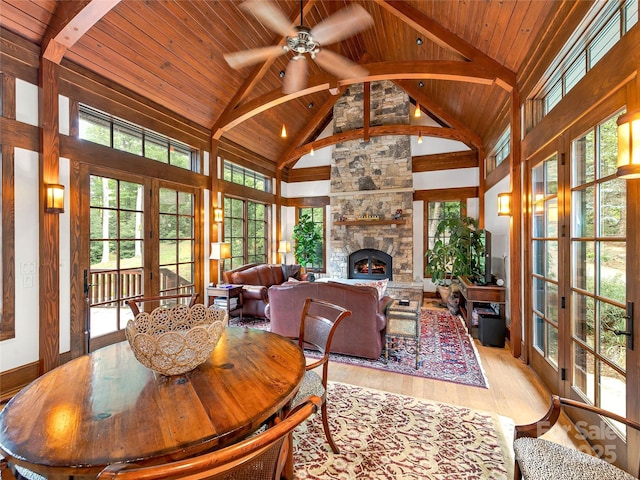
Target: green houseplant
<point>307,241</point>
<point>457,250</point>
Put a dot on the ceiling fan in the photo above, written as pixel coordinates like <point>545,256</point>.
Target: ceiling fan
<point>304,40</point>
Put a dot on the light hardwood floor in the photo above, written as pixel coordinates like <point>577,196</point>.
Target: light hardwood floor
<point>514,390</point>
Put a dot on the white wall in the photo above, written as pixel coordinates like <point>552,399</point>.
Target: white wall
<point>23,348</point>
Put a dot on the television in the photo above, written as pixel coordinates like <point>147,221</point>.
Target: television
<point>483,276</point>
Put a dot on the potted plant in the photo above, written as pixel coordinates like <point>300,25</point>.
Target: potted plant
<point>457,250</point>
<point>307,242</point>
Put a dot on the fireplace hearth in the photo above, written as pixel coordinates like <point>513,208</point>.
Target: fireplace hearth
<point>370,264</point>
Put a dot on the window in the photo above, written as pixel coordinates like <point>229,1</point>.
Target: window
<point>116,249</point>
<point>243,176</point>
<point>545,260</point>
<point>104,129</point>
<point>598,271</point>
<point>438,211</point>
<point>177,242</point>
<point>501,151</point>
<point>602,28</point>
<point>246,228</point>
<point>317,216</point>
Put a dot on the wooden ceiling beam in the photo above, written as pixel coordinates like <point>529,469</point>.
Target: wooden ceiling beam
<point>374,131</point>
<point>71,20</point>
<point>259,71</point>
<point>434,108</point>
<point>454,71</point>
<point>443,37</point>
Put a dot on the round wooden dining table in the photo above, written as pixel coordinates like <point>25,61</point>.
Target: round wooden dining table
<point>106,407</point>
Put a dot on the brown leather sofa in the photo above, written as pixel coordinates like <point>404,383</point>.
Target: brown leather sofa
<point>256,278</point>
<point>360,335</point>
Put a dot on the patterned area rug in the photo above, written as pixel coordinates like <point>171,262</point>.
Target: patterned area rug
<point>386,436</point>
<point>447,351</point>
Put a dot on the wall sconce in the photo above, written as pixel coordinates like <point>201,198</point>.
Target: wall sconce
<point>54,201</point>
<point>284,247</point>
<point>504,203</point>
<point>220,251</point>
<point>629,145</point>
<point>419,136</point>
<point>417,113</point>
<point>312,152</point>
<point>283,132</point>
<point>218,215</point>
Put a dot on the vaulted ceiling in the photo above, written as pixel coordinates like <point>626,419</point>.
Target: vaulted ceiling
<point>171,52</point>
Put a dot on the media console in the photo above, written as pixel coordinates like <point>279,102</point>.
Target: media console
<point>473,295</point>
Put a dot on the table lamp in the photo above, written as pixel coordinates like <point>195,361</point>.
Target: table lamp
<point>220,251</point>
<point>284,247</point>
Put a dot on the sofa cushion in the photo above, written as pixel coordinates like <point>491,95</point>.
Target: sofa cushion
<point>246,277</point>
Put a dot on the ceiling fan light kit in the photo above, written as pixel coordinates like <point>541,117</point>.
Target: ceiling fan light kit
<point>303,40</point>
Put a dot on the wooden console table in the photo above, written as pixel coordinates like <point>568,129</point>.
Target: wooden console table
<point>472,293</point>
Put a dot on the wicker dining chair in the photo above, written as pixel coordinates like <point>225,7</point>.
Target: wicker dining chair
<point>133,302</point>
<point>537,458</point>
<point>259,457</point>
<point>318,324</point>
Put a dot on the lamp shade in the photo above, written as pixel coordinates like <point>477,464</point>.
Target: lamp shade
<point>504,203</point>
<point>54,201</point>
<point>629,145</point>
<point>284,246</point>
<point>220,250</point>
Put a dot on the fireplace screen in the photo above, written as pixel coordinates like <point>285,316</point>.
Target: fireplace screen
<point>370,264</point>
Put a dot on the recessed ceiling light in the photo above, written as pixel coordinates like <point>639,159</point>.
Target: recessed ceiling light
<point>310,104</point>
<point>418,41</point>
<point>421,84</point>
<point>281,73</point>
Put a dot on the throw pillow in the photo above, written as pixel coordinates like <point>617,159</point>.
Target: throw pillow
<point>380,285</point>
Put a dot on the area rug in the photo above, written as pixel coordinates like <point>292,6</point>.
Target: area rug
<point>447,351</point>
<point>387,436</point>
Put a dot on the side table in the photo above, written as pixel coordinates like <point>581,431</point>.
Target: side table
<point>403,321</point>
<point>222,296</point>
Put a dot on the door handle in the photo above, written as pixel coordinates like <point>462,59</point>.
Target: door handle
<point>629,331</point>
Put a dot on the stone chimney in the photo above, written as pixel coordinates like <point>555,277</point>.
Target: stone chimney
<point>371,181</point>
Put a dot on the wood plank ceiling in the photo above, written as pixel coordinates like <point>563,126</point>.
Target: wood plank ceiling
<point>171,52</point>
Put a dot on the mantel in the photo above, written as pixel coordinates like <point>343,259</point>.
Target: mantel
<point>380,221</point>
<point>353,193</point>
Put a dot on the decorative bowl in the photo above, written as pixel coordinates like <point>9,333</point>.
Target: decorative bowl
<point>177,340</point>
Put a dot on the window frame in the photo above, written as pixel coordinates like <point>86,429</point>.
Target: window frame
<point>115,124</point>
<point>239,241</point>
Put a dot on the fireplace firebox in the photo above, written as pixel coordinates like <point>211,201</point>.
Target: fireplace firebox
<point>370,264</point>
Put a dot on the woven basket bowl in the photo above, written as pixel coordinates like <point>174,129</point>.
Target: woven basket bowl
<point>177,340</point>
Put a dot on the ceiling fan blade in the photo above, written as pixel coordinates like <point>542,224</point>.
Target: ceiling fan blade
<point>244,58</point>
<point>339,66</point>
<point>295,78</point>
<point>342,24</point>
<point>270,15</point>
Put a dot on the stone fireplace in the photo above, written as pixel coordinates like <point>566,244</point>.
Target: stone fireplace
<point>371,183</point>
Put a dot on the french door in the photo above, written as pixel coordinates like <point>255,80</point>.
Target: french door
<point>577,288</point>
<point>140,238</point>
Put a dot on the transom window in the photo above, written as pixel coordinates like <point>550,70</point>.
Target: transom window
<point>243,176</point>
<point>104,129</point>
<point>602,29</point>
